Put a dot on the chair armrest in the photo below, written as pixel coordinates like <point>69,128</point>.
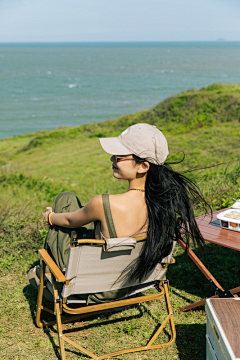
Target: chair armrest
<point>52,265</point>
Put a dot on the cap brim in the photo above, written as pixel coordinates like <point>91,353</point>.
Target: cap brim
<point>113,146</point>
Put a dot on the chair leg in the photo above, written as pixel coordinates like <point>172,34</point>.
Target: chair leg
<point>57,312</point>
<point>169,307</point>
<point>40,296</point>
<point>168,318</point>
<point>60,334</point>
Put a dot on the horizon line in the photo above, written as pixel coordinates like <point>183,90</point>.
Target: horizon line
<point>117,41</point>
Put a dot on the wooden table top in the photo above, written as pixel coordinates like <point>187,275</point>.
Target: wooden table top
<point>216,235</point>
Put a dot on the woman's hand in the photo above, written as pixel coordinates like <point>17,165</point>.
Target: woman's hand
<point>46,215</point>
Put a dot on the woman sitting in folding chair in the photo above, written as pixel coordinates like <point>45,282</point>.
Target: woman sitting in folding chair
<point>155,201</point>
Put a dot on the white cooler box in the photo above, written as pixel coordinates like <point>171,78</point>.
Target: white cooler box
<point>223,329</point>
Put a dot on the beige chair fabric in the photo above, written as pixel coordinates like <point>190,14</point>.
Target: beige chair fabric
<point>91,269</point>
<point>116,244</point>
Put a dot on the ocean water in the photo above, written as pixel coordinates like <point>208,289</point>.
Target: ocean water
<point>45,86</point>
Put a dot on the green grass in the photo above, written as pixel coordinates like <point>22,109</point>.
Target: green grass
<point>203,124</point>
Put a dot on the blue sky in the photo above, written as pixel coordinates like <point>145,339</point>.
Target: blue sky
<point>119,20</point>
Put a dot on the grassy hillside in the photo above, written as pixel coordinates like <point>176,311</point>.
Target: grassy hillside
<point>203,124</point>
<point>34,168</point>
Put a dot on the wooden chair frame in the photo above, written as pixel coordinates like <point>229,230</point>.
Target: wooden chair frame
<point>60,305</point>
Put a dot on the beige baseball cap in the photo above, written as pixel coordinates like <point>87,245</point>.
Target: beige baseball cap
<point>142,140</point>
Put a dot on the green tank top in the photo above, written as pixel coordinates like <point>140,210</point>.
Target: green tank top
<point>108,216</point>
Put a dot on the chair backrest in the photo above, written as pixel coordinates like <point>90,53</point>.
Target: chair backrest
<point>93,268</point>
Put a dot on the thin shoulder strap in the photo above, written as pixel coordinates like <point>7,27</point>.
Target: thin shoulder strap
<point>108,216</point>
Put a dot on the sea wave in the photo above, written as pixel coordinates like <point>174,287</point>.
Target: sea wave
<point>72,86</point>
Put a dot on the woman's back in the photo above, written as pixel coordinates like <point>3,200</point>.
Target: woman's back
<point>129,214</point>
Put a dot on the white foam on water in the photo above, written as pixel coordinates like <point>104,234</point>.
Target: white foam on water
<point>49,72</point>
<point>72,86</point>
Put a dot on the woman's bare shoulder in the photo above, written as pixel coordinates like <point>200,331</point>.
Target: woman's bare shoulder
<point>127,200</point>
<point>96,200</point>
<point>94,205</point>
<point>118,198</point>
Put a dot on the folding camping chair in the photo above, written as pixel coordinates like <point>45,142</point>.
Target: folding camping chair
<point>96,266</point>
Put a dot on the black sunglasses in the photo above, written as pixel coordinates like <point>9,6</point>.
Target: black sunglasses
<point>116,159</point>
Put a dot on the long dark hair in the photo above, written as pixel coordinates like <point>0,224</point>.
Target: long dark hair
<point>169,197</point>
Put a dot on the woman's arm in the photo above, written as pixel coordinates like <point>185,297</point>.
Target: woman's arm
<point>92,211</point>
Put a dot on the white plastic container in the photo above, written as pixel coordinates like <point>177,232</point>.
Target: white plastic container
<point>221,342</point>
<point>236,205</point>
<point>230,219</point>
